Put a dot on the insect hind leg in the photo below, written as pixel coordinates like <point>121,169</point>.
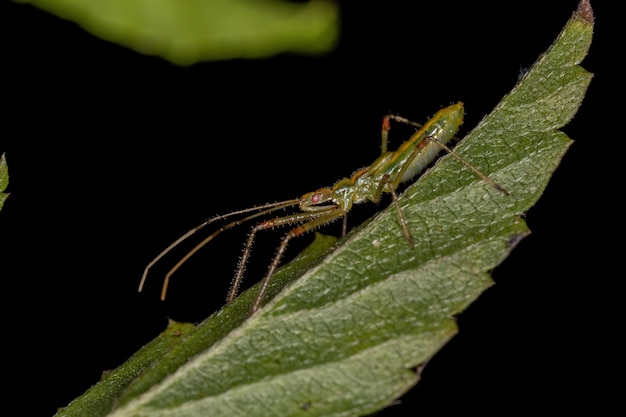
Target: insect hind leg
<point>443,146</point>
<point>387,126</point>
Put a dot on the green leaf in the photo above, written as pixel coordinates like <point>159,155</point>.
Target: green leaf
<point>199,30</point>
<point>346,335</point>
<point>179,342</point>
<point>101,398</point>
<point>4,179</point>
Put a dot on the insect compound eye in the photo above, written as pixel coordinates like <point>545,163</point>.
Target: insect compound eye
<point>317,197</point>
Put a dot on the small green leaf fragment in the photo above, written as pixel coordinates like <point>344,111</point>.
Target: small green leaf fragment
<point>4,179</point>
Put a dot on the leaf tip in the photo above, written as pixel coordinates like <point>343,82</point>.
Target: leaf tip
<point>515,239</point>
<point>584,11</point>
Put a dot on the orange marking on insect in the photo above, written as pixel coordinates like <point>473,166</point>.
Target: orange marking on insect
<point>386,124</point>
<point>299,230</point>
<point>267,224</point>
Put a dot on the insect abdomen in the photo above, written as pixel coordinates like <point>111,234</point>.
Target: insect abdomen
<point>442,128</point>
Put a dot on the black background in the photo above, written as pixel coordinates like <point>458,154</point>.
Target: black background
<point>113,154</point>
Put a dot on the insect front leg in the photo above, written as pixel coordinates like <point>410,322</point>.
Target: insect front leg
<point>243,261</point>
<point>247,250</point>
<point>317,219</point>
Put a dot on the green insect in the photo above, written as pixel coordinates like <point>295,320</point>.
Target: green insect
<point>325,205</point>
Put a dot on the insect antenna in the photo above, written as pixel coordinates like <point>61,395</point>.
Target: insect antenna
<point>262,210</point>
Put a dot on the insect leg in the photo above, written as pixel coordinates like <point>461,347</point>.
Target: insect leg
<point>264,225</point>
<point>261,210</point>
<point>468,165</point>
<point>317,219</point>
<point>386,181</point>
<point>387,127</point>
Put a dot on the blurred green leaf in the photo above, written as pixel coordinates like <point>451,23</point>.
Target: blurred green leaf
<point>185,32</point>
